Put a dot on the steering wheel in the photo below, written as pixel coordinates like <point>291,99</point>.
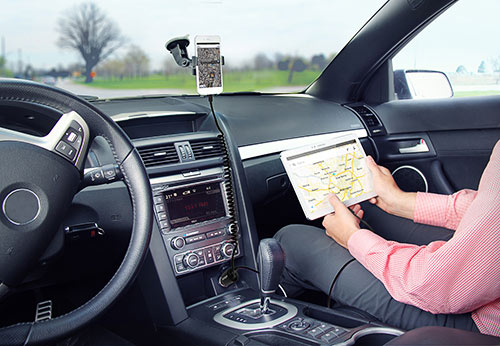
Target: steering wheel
<point>38,178</point>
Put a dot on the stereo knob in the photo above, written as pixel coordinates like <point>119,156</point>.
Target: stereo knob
<point>191,260</point>
<point>177,243</point>
<point>227,250</point>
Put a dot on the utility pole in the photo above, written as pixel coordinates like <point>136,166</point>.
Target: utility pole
<point>19,61</point>
<point>4,62</point>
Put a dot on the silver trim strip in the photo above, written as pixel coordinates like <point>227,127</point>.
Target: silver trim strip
<point>256,150</point>
<point>21,223</point>
<point>416,170</point>
<point>139,115</point>
<point>180,177</point>
<point>219,318</point>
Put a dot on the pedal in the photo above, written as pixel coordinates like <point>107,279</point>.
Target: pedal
<point>43,311</point>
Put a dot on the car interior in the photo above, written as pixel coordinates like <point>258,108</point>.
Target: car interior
<point>102,237</point>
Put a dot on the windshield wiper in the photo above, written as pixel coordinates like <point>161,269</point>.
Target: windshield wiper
<point>88,97</point>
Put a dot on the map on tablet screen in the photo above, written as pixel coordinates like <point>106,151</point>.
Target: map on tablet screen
<point>334,166</point>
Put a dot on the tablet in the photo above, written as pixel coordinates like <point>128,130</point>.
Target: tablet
<point>334,166</point>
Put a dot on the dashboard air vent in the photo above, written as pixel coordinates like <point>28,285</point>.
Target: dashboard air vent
<point>207,148</point>
<point>159,155</point>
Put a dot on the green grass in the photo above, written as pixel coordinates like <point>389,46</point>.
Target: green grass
<point>476,93</point>
<point>233,81</point>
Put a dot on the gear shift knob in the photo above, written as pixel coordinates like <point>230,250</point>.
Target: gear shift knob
<point>271,260</point>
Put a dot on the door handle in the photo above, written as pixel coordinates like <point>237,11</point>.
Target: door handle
<point>420,147</point>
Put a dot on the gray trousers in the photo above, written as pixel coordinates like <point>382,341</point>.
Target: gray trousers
<point>313,259</point>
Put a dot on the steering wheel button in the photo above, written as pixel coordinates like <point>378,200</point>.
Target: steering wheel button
<point>77,127</point>
<point>71,136</point>
<point>66,150</point>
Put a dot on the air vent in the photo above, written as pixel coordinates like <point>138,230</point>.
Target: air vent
<point>158,155</point>
<point>367,115</point>
<point>207,148</point>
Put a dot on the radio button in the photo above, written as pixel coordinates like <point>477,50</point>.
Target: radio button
<point>216,233</point>
<point>195,238</point>
<point>177,243</point>
<point>191,260</point>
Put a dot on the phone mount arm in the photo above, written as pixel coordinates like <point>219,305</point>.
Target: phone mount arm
<point>178,48</point>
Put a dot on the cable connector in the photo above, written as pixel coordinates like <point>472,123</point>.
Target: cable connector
<point>228,277</point>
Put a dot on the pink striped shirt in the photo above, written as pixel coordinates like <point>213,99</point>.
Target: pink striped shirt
<point>450,277</point>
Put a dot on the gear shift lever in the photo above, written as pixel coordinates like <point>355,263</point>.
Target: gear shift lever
<point>271,260</point>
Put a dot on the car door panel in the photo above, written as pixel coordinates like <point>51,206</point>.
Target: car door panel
<point>460,134</point>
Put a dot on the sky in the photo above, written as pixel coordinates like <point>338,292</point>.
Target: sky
<point>295,27</point>
<point>246,27</point>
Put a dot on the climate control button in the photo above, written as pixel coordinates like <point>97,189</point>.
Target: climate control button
<point>191,260</point>
<point>227,249</point>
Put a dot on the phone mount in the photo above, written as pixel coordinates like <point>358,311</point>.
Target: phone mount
<point>178,48</point>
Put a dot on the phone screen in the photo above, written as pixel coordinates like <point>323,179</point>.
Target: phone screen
<point>209,66</point>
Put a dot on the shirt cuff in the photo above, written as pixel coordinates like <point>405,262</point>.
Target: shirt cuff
<point>361,243</point>
<point>430,209</point>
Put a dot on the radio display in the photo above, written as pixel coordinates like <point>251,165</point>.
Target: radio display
<point>194,204</point>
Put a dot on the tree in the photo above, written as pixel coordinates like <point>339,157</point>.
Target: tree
<point>495,65</point>
<point>318,61</point>
<point>262,62</point>
<point>461,69</point>
<point>482,67</point>
<point>89,31</point>
<point>111,68</point>
<point>298,65</point>
<point>136,62</point>
<point>284,65</point>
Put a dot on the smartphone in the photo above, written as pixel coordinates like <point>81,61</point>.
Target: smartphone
<point>209,65</point>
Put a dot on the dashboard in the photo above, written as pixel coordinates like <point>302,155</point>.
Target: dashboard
<point>204,186</point>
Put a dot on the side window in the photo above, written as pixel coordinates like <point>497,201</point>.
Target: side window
<point>462,43</point>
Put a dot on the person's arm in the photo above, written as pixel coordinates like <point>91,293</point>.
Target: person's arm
<point>432,209</point>
<point>441,210</point>
<point>456,276</point>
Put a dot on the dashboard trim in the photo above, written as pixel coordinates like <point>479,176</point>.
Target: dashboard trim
<point>149,114</point>
<point>262,149</point>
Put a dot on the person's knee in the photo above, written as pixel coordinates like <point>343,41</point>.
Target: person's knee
<point>297,240</point>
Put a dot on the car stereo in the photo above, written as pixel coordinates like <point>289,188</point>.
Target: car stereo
<point>194,219</point>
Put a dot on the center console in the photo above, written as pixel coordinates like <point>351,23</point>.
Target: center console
<point>193,214</point>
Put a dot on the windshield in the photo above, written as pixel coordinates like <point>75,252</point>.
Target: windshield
<point>111,49</point>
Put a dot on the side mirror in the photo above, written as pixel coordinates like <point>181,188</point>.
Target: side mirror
<point>421,84</point>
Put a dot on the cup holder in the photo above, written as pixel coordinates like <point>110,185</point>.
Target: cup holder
<point>375,336</point>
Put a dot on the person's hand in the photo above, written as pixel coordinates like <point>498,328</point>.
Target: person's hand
<point>341,224</point>
<point>390,197</point>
